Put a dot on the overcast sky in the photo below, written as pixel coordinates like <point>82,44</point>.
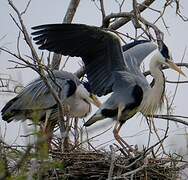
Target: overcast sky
<point>47,11</point>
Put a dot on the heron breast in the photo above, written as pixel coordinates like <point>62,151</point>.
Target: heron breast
<point>80,108</point>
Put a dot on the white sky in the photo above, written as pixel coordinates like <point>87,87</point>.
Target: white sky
<point>47,11</point>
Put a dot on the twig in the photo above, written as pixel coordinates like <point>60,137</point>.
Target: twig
<point>87,140</point>
<point>110,173</point>
<point>24,30</point>
<point>106,20</point>
<point>176,88</point>
<point>136,15</point>
<point>133,172</point>
<point>102,9</point>
<point>159,34</point>
<point>171,118</point>
<point>120,4</point>
<point>176,82</point>
<point>27,6</point>
<point>56,59</point>
<point>122,21</point>
<point>23,157</point>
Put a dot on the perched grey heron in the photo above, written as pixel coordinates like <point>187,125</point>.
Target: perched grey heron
<point>36,102</point>
<point>111,68</point>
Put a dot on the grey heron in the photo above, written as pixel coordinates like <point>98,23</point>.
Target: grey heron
<point>35,101</point>
<point>111,68</point>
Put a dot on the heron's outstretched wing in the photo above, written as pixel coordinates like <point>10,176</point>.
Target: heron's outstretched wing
<point>135,52</point>
<point>100,50</point>
<point>37,96</point>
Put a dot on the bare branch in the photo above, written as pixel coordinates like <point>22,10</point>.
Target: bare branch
<point>159,34</point>
<point>122,21</point>
<point>106,20</point>
<point>26,8</point>
<point>171,118</point>
<point>110,173</point>
<point>102,9</point>
<point>120,4</point>
<point>24,31</point>
<point>176,82</point>
<point>67,19</point>
<point>176,88</point>
<point>136,15</point>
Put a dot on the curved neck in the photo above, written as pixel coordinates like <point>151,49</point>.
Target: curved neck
<point>157,90</point>
<point>156,73</point>
<point>154,96</point>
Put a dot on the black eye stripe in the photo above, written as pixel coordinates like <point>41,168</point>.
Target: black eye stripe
<point>164,51</point>
<point>72,88</point>
<point>87,85</point>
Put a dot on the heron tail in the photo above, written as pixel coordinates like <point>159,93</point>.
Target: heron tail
<point>7,112</point>
<point>93,119</point>
<point>7,117</point>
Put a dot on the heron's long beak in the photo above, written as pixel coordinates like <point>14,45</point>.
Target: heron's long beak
<point>175,67</point>
<point>94,100</point>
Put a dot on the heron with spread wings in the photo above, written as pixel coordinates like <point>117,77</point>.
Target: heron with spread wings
<point>111,68</point>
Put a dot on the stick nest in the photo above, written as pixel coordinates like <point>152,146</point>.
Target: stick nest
<point>107,165</point>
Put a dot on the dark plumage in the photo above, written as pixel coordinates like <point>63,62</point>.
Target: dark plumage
<point>164,51</point>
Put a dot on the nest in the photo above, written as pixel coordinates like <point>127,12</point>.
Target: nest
<point>78,163</point>
<point>101,165</point>
<point>85,164</point>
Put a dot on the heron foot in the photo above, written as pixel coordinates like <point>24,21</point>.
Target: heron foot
<point>128,149</point>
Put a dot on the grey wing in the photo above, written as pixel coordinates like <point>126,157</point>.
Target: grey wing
<point>100,50</point>
<point>135,52</point>
<point>37,96</point>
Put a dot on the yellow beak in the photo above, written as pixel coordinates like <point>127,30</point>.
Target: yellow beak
<point>94,100</point>
<point>175,67</point>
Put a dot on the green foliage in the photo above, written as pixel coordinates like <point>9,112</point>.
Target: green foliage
<point>18,177</point>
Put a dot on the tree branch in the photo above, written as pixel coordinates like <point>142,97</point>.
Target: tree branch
<point>122,21</point>
<point>67,19</point>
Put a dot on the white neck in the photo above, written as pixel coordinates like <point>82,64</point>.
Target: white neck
<point>156,73</point>
<point>153,97</point>
<point>79,105</point>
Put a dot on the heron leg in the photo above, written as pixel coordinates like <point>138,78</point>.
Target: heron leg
<point>120,140</point>
<point>47,129</point>
<point>49,134</point>
<point>48,113</point>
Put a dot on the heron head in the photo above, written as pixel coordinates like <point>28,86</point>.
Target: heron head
<point>166,59</point>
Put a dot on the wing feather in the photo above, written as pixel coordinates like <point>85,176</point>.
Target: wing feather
<point>37,96</point>
<point>100,50</point>
<point>135,52</point>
